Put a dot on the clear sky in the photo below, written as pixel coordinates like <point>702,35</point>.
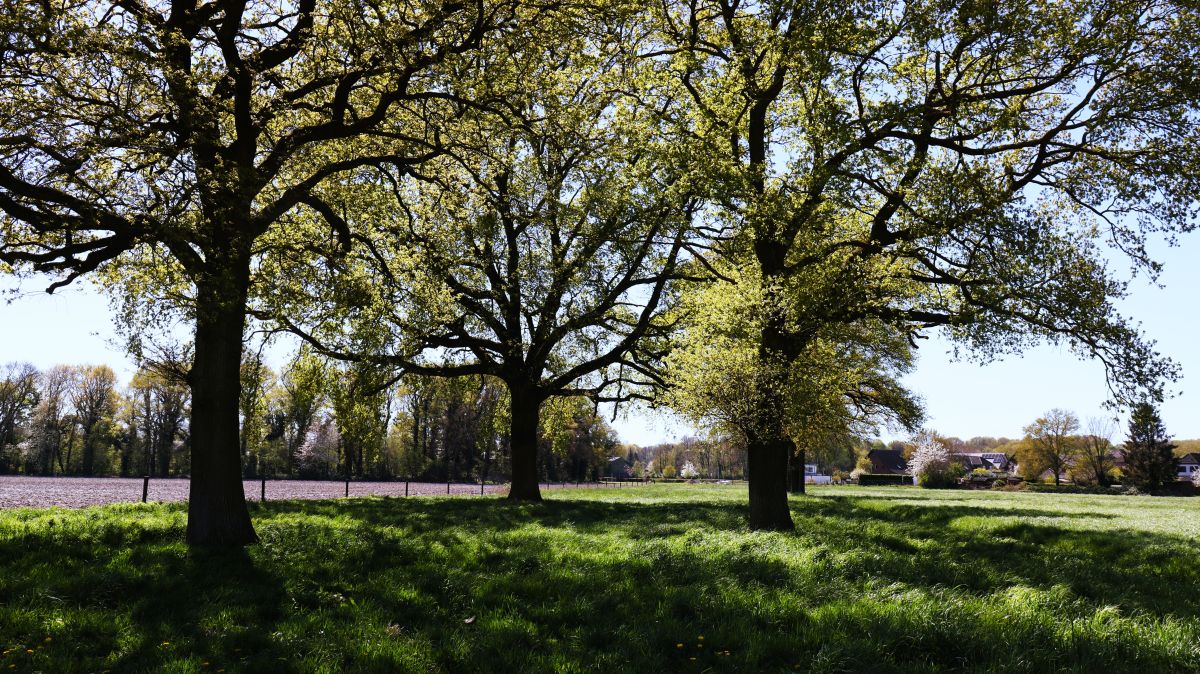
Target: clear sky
<point>962,399</point>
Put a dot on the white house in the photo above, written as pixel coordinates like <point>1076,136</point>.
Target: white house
<point>811,476</point>
<point>1188,464</point>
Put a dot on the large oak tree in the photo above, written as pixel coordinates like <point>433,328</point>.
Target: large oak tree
<point>186,131</point>
<point>541,249</point>
<point>954,165</point>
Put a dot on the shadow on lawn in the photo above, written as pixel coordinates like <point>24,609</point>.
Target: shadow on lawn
<point>482,585</point>
<point>130,604</point>
<point>903,542</point>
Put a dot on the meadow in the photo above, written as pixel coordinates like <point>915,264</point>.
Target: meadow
<point>660,578</point>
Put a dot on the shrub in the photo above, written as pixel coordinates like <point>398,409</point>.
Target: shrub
<point>1196,479</point>
<point>883,480</point>
<point>930,464</point>
<point>668,471</point>
<point>689,471</point>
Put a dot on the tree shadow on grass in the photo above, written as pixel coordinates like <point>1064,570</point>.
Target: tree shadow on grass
<point>920,545</point>
<point>538,603</point>
<point>133,602</point>
<point>480,585</point>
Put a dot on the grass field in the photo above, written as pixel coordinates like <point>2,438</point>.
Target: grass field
<point>637,580</point>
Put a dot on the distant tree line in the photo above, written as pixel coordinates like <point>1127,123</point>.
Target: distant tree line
<point>1057,447</point>
<point>311,419</point>
<point>717,456</point>
<point>77,420</point>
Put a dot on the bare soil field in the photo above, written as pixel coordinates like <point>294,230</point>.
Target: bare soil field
<point>77,492</point>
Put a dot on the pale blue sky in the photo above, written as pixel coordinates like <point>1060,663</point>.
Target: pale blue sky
<point>963,399</point>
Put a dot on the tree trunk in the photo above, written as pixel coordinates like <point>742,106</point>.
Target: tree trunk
<point>217,513</point>
<point>767,469</point>
<point>88,455</point>
<point>770,447</point>
<point>166,440</point>
<point>797,473</point>
<point>70,450</point>
<point>524,407</point>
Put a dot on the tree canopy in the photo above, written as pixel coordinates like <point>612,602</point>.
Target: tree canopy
<point>180,134</point>
<point>542,248</point>
<point>527,191</point>
<point>960,166</point>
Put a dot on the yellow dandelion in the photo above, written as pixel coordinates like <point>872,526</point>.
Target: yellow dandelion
<point>701,637</point>
<point>678,645</point>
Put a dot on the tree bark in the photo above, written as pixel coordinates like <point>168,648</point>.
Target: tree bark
<point>217,513</point>
<point>767,469</point>
<point>524,408</point>
<point>166,440</point>
<point>770,447</point>
<point>796,473</point>
<point>88,461</point>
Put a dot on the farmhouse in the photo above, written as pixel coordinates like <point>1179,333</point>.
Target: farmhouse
<point>619,468</point>
<point>994,461</point>
<point>887,462</point>
<point>1188,465</point>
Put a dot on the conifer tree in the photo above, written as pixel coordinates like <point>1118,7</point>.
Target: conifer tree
<point>1149,455</point>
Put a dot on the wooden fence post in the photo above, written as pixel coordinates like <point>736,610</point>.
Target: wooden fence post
<point>145,487</point>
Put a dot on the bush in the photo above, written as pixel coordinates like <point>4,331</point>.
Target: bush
<point>1045,488</point>
<point>931,465</point>
<point>883,480</point>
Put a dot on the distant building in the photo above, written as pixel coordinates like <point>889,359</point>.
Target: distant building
<point>1188,464</point>
<point>887,462</point>
<point>812,475</point>
<point>994,461</point>
<point>619,468</point>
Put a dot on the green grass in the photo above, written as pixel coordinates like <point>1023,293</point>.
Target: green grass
<point>882,579</point>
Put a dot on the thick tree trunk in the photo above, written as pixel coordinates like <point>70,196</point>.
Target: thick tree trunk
<point>524,407</point>
<point>770,448</point>
<point>217,513</point>
<point>768,484</point>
